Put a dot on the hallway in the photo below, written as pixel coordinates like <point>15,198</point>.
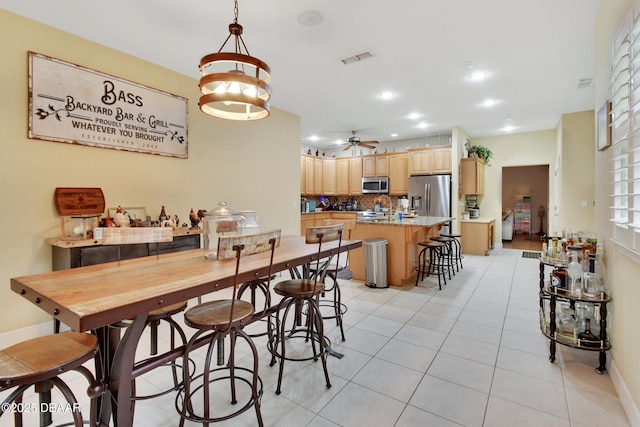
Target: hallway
<point>524,242</point>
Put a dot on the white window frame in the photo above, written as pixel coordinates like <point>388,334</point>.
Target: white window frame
<point>625,135</point>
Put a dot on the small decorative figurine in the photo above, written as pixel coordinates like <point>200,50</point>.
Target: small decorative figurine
<point>121,219</point>
<point>163,214</point>
<point>195,219</point>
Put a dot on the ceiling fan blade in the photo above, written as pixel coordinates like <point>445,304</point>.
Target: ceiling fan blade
<point>347,147</point>
<point>362,144</point>
<point>369,142</point>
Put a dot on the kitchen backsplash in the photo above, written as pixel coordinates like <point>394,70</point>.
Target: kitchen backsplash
<point>365,201</point>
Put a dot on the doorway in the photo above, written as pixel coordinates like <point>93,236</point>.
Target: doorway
<point>525,192</point>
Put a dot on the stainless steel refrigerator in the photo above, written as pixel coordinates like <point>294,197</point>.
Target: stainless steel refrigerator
<point>430,195</point>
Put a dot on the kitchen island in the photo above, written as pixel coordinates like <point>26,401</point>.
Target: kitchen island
<point>402,248</point>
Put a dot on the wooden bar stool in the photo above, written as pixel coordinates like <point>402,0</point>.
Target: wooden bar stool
<point>448,261</point>
<point>296,294</point>
<point>38,362</point>
<point>164,314</point>
<point>332,296</point>
<point>214,321</point>
<point>432,265</point>
<point>457,249</point>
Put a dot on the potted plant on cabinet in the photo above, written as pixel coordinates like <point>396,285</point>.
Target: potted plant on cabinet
<point>479,151</point>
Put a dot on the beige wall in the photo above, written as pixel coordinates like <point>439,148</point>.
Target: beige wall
<point>250,165</point>
<point>577,183</point>
<point>622,269</point>
<point>522,149</point>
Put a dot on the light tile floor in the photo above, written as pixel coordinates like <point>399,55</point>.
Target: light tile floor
<point>469,355</point>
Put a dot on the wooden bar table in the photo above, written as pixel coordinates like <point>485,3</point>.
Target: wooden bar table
<point>94,297</point>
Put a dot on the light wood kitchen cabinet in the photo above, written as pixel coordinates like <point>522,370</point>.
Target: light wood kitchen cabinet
<point>329,177</point>
<point>398,173</point>
<point>309,175</point>
<point>303,176</point>
<point>355,176</point>
<point>382,165</point>
<point>375,165</point>
<point>368,166</point>
<point>306,220</point>
<point>342,176</point>
<point>328,218</point>
<point>317,175</point>
<point>430,160</point>
<point>476,235</point>
<point>472,176</point>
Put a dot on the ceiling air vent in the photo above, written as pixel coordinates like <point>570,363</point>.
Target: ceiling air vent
<point>582,83</point>
<point>357,57</point>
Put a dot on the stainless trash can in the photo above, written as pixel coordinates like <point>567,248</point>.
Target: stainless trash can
<point>375,263</point>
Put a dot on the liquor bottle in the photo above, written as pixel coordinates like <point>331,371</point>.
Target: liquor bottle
<point>590,277</point>
<point>575,269</point>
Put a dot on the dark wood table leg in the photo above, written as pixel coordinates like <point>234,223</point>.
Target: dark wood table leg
<point>122,373</point>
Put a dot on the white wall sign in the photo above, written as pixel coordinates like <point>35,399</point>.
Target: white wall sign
<point>72,104</point>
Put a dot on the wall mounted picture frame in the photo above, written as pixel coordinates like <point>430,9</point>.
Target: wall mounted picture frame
<point>73,104</point>
<point>603,124</point>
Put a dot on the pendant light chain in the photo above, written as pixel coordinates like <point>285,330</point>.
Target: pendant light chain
<point>235,11</point>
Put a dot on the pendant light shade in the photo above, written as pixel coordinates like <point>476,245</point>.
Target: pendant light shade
<point>234,85</point>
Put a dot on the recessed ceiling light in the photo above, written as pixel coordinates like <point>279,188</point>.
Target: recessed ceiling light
<point>393,135</point>
<point>414,116</point>
<point>508,128</point>
<point>489,102</point>
<point>422,125</point>
<point>314,138</point>
<point>476,76</point>
<point>386,95</point>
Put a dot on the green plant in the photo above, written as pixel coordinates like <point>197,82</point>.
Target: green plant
<point>483,152</point>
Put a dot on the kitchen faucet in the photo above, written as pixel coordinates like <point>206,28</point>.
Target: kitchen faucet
<point>390,205</point>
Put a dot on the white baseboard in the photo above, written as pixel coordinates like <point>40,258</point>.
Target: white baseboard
<point>626,399</point>
<point>26,333</point>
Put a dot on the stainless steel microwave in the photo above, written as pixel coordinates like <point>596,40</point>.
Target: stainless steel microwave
<point>375,185</point>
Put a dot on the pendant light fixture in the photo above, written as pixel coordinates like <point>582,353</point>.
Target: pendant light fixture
<point>234,85</point>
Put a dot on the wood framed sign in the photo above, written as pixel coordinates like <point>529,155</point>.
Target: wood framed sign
<point>604,126</point>
<point>78,202</point>
<point>73,104</point>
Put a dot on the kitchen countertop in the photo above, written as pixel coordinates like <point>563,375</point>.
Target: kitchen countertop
<point>341,212</point>
<point>418,221</point>
<point>62,243</point>
<point>482,219</point>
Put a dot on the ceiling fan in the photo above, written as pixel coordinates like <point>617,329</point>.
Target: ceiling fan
<point>354,141</point>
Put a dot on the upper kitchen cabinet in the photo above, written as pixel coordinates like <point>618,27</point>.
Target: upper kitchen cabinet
<point>349,176</point>
<point>430,160</point>
<point>317,175</point>
<point>303,176</point>
<point>309,175</point>
<point>399,173</point>
<point>355,176</point>
<point>375,165</point>
<point>342,176</point>
<point>472,176</point>
<point>329,176</point>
